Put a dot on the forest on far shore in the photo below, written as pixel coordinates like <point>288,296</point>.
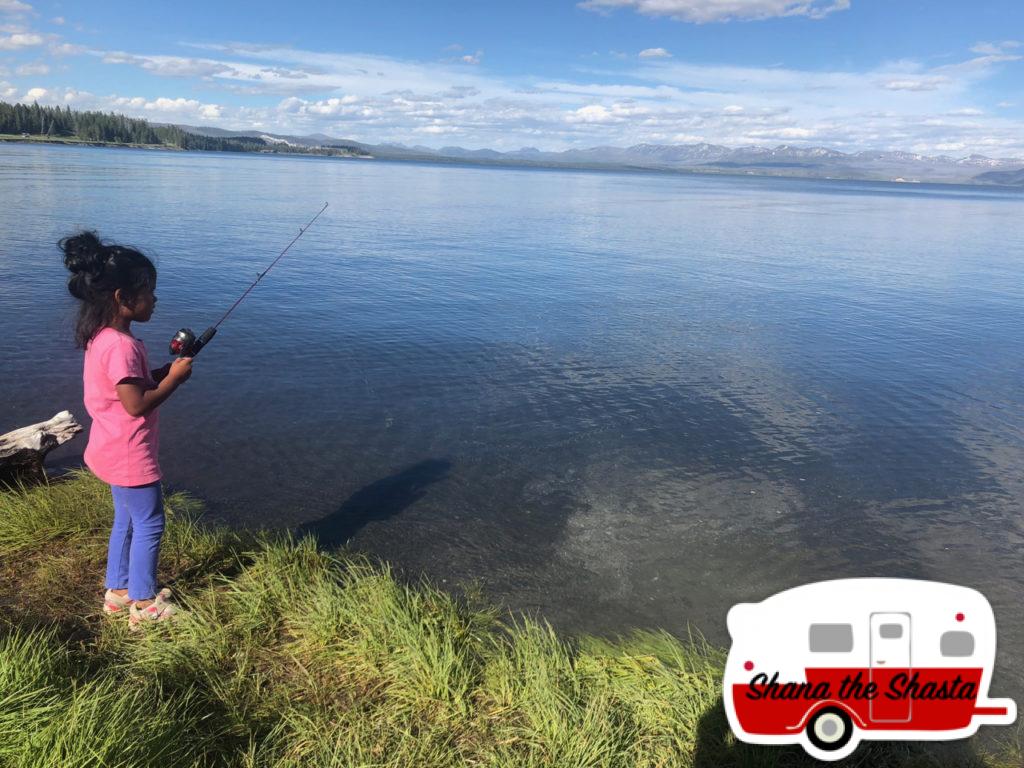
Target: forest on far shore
<point>57,123</point>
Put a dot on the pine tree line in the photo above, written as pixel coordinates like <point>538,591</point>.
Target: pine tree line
<point>63,122</point>
<point>55,122</point>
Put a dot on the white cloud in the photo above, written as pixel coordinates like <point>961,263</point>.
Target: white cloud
<point>592,113</point>
<point>55,96</point>
<point>162,109</point>
<point>473,58</point>
<point>333,107</point>
<point>282,72</point>
<point>705,11</point>
<point>58,20</point>
<point>995,49</point>
<point>33,69</point>
<point>437,129</point>
<point>916,84</point>
<point>82,99</point>
<point>66,49</point>
<point>359,74</point>
<point>900,105</point>
<point>7,90</point>
<point>182,106</point>
<point>782,133</point>
<point>655,53</point>
<point>171,66</point>
<point>980,65</point>
<point>14,6</point>
<point>460,92</point>
<point>611,90</point>
<point>598,113</point>
<point>19,40</point>
<point>291,104</point>
<point>72,96</point>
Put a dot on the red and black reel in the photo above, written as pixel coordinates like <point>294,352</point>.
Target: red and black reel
<point>185,343</point>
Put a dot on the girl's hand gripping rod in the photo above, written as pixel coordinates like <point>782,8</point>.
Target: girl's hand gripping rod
<point>185,343</point>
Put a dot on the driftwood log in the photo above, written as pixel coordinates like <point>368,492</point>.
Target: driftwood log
<point>23,450</point>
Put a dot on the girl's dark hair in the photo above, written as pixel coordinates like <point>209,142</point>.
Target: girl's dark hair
<point>97,270</point>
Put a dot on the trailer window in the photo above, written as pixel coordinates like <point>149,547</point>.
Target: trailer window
<point>831,638</point>
<point>956,644</point>
<point>890,631</point>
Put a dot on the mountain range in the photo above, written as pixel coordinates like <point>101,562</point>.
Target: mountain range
<point>782,160</point>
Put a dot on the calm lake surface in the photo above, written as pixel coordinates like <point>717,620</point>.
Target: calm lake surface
<point>616,399</point>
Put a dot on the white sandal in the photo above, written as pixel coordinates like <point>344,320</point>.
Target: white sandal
<point>115,603</point>
<point>159,610</point>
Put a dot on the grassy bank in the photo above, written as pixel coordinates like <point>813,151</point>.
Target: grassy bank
<point>290,656</point>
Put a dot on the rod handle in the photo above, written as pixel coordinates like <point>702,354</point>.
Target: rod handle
<point>203,340</point>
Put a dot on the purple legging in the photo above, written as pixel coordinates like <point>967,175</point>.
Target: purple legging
<point>135,539</point>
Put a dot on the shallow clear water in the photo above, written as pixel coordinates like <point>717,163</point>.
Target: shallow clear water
<point>618,399</point>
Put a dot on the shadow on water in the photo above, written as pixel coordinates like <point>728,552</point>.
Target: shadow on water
<point>380,500</point>
<point>716,747</point>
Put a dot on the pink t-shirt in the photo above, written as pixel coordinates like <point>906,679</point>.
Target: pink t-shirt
<point>122,448</point>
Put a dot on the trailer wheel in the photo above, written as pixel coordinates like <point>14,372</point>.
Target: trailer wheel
<point>830,729</point>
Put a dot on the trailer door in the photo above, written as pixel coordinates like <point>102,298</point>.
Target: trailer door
<point>890,656</point>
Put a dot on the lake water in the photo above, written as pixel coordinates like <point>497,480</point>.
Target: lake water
<point>615,399</point>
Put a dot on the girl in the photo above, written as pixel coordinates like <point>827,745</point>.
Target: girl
<point>115,286</point>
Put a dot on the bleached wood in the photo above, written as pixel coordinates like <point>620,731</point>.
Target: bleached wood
<point>22,451</point>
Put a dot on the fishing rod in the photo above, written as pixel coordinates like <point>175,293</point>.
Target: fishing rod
<point>185,343</point>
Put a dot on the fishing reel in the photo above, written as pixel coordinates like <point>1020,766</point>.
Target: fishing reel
<point>185,343</point>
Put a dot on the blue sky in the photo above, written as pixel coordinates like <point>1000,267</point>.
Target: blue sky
<point>936,76</point>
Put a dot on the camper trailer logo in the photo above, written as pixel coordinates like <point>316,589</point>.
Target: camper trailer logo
<point>826,665</point>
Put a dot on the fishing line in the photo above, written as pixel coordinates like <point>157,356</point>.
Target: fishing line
<point>185,343</point>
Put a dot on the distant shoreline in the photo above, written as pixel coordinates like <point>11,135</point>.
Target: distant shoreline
<point>53,125</point>
<point>508,163</point>
<point>11,138</point>
<point>76,142</point>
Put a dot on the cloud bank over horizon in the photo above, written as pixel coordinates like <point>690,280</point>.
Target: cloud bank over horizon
<point>656,94</point>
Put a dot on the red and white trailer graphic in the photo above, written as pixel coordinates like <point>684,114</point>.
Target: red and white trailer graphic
<point>828,664</point>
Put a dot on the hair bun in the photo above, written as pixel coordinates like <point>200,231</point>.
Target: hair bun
<point>84,254</point>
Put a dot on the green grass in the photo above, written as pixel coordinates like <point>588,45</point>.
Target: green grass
<point>289,656</point>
